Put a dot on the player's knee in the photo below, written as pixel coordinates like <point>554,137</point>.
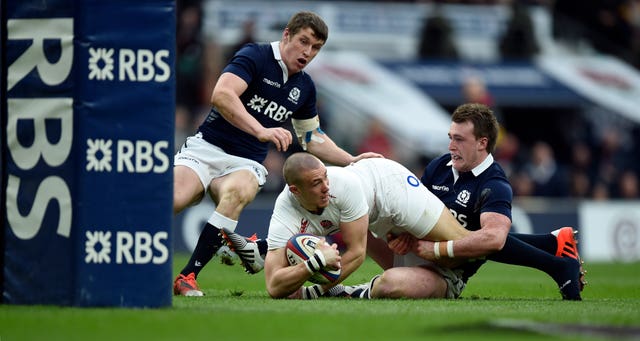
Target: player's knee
<point>235,189</point>
<point>183,198</point>
<point>187,188</point>
<point>180,204</point>
<point>240,194</point>
<point>409,283</point>
<point>389,285</point>
<point>177,205</point>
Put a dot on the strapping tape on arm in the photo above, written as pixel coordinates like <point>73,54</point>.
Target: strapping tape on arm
<point>304,131</point>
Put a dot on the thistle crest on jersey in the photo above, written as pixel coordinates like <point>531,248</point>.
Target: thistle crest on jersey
<point>294,95</point>
<point>463,198</point>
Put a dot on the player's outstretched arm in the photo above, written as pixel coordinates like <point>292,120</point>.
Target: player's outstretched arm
<point>322,146</point>
<point>490,238</point>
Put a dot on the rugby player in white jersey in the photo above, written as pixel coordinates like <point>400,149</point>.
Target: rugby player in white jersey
<point>378,196</point>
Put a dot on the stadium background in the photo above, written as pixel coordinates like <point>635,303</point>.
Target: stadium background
<point>562,80</point>
<point>561,77</point>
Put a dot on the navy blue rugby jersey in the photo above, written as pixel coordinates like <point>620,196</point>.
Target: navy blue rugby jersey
<point>484,189</point>
<point>269,98</point>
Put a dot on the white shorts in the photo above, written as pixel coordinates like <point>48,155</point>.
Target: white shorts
<point>401,203</point>
<point>211,162</point>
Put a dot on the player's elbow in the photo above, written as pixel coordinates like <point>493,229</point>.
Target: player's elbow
<point>495,242</point>
<point>219,97</point>
<point>216,98</point>
<point>276,292</point>
<point>359,255</point>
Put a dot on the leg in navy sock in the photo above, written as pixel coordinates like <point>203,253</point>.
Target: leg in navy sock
<point>546,242</point>
<point>262,246</point>
<point>518,252</point>
<point>564,271</point>
<point>208,244</point>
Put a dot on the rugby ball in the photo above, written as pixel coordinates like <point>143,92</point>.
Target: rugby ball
<point>302,246</point>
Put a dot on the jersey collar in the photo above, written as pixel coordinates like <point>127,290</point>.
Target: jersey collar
<point>488,161</point>
<point>275,46</point>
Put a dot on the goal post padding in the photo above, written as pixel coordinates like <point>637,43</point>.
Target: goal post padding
<point>87,172</point>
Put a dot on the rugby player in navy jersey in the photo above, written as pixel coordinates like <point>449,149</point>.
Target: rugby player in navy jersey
<point>261,88</point>
<point>476,191</point>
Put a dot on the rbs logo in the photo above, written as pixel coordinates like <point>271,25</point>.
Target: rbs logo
<point>133,65</point>
<point>131,156</point>
<point>139,247</point>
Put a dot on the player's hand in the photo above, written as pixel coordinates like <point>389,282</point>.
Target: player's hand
<point>402,243</point>
<point>424,249</point>
<point>331,254</point>
<point>280,137</point>
<point>367,155</point>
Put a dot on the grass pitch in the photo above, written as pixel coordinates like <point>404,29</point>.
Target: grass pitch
<point>501,302</point>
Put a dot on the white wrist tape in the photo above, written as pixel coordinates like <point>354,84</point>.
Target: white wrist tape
<point>314,291</point>
<point>316,262</point>
<point>436,249</point>
<point>304,130</point>
<point>450,248</point>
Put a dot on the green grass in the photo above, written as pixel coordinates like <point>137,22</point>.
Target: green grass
<point>236,307</point>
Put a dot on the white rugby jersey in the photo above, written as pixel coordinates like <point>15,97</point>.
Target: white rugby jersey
<point>392,197</point>
<point>347,202</point>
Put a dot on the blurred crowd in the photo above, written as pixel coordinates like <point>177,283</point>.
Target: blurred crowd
<point>601,163</point>
<point>610,26</point>
<point>607,170</point>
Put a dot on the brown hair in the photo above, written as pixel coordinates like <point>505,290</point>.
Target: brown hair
<point>484,122</point>
<point>302,20</point>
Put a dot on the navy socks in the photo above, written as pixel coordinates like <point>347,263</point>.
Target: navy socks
<point>208,244</point>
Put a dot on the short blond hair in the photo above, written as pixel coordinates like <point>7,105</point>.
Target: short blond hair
<point>297,164</point>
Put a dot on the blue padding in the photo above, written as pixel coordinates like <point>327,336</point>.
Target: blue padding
<point>120,95</point>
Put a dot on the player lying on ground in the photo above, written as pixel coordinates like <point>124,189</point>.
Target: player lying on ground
<point>379,195</point>
<point>474,188</point>
<point>476,191</point>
